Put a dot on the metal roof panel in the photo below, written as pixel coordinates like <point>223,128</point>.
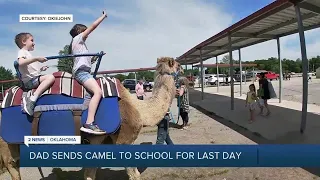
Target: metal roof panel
<point>274,20</point>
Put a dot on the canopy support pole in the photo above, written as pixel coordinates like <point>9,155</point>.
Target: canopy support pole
<point>240,64</point>
<point>280,70</point>
<point>231,72</point>
<point>135,77</point>
<point>185,61</point>
<point>304,70</point>
<point>218,83</point>
<point>202,76</point>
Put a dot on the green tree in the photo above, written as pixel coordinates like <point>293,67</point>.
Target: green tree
<point>226,60</point>
<point>121,77</point>
<point>146,75</point>
<point>314,63</point>
<point>194,72</point>
<point>130,76</point>
<point>65,64</point>
<point>6,74</point>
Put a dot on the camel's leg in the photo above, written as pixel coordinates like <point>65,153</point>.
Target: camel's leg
<point>10,156</point>
<point>133,173</point>
<point>90,173</point>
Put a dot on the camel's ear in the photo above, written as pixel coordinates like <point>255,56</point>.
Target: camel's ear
<point>171,62</point>
<point>168,60</point>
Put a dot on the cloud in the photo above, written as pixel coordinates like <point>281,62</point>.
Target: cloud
<point>138,32</point>
<point>164,28</point>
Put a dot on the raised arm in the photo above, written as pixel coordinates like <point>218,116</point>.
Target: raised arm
<point>94,25</point>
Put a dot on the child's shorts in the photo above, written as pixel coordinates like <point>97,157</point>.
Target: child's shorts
<point>261,102</point>
<point>252,106</point>
<point>82,76</point>
<point>32,83</point>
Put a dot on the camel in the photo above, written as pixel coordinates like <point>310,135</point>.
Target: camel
<point>135,114</point>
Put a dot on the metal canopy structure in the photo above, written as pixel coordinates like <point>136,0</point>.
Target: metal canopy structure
<point>226,65</point>
<point>276,20</point>
<point>126,70</point>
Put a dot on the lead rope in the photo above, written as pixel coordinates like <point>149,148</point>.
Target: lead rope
<point>176,78</point>
<point>179,104</point>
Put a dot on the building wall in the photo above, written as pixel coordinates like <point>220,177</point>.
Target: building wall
<point>318,73</point>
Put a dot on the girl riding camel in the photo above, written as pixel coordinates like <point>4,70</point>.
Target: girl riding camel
<point>82,71</point>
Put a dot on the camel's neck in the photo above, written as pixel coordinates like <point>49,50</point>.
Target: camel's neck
<point>154,109</point>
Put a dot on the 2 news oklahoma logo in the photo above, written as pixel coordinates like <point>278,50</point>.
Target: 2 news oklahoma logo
<point>45,18</point>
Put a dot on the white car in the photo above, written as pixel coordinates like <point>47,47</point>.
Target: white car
<point>311,74</point>
<point>198,80</point>
<point>213,79</point>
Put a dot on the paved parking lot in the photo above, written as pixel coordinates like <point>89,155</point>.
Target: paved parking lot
<point>292,89</point>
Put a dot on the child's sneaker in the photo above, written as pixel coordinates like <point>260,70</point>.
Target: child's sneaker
<point>28,105</point>
<point>92,129</point>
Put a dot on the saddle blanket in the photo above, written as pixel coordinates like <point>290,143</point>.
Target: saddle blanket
<point>64,84</point>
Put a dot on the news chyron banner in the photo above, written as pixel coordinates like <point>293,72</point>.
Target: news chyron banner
<point>71,154</point>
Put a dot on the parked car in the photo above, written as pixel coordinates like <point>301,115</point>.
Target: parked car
<point>245,77</point>
<point>213,79</point>
<point>148,86</point>
<point>130,84</point>
<point>311,73</point>
<point>152,83</point>
<point>270,75</point>
<point>206,77</point>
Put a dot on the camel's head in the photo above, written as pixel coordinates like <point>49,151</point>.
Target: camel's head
<point>167,65</point>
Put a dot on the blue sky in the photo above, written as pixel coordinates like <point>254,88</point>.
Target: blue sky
<point>136,32</point>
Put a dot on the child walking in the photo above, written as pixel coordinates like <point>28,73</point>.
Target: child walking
<point>183,101</point>
<point>30,68</point>
<point>82,71</point>
<point>251,101</point>
<point>261,101</point>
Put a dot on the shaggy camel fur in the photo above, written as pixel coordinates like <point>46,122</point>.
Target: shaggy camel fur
<point>134,114</point>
